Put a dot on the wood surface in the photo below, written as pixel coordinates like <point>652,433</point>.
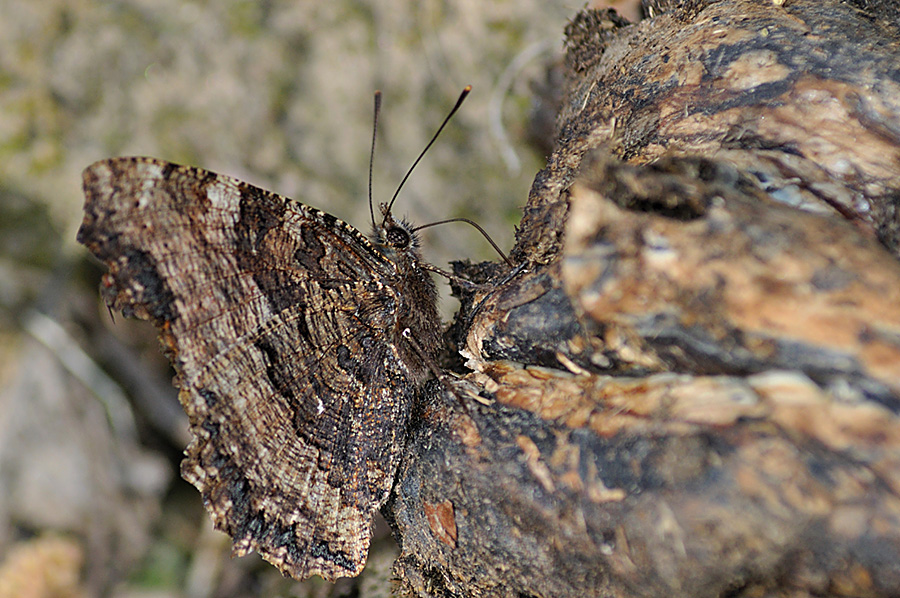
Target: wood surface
<point>691,384</point>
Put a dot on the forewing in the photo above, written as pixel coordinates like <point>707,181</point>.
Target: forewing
<point>278,319</point>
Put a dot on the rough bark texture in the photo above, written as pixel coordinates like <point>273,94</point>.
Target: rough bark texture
<point>691,385</point>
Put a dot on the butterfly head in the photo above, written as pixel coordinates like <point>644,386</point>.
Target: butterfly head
<point>396,239</point>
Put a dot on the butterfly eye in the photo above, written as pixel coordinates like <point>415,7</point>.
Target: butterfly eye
<point>397,237</point>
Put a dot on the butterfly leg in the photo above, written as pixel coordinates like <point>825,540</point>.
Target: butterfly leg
<point>438,373</point>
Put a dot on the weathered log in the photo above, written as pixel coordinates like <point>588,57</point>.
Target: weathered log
<point>691,386</point>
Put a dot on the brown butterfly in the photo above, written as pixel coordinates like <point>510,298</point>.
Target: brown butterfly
<point>299,346</point>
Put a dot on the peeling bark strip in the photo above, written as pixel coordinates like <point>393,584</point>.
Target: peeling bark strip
<point>692,387</point>
<point>749,285</point>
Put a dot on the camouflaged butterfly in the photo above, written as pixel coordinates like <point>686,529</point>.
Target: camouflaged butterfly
<point>299,346</point>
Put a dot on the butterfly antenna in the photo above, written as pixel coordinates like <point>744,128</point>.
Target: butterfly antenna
<point>459,102</point>
<point>478,228</point>
<point>372,152</point>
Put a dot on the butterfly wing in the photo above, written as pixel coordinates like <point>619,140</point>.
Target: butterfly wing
<point>280,322</point>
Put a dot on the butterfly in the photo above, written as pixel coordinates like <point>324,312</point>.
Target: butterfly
<point>299,346</point>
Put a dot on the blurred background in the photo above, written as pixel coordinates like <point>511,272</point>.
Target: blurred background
<point>277,93</point>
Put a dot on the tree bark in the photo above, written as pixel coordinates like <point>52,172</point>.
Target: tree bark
<point>691,384</point>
